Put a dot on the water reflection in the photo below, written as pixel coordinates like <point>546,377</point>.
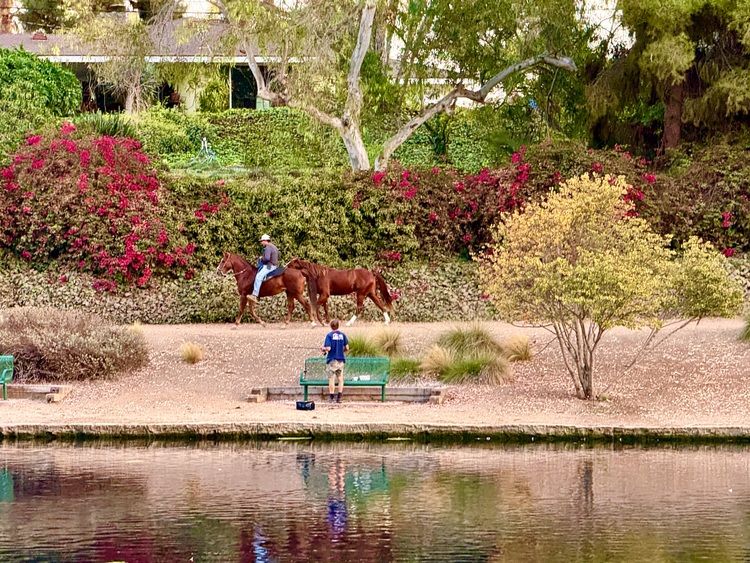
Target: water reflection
<point>371,502</point>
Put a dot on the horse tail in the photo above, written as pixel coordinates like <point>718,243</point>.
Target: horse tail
<point>383,288</point>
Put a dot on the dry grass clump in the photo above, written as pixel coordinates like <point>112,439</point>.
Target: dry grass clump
<point>191,352</point>
<point>518,348</point>
<point>54,344</point>
<point>745,333</point>
<point>469,339</point>
<point>436,361</point>
<point>388,340</point>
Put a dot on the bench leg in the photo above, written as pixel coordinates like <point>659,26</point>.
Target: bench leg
<point>305,386</point>
<point>5,392</point>
<point>382,394</point>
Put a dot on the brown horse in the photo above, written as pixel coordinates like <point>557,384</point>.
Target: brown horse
<point>291,281</point>
<point>330,281</point>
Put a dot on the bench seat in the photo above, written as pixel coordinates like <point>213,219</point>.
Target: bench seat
<point>358,372</point>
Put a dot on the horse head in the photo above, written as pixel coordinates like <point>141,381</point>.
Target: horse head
<point>225,265</point>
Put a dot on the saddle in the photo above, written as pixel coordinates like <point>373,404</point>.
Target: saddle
<point>273,273</point>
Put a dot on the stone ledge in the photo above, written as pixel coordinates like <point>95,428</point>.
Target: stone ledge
<point>434,395</point>
<point>427,432</point>
<point>39,392</point>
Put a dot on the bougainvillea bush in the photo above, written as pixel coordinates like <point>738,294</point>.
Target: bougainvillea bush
<point>701,192</point>
<point>89,204</point>
<point>451,212</point>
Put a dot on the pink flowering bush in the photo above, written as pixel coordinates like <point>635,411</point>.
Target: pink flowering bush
<point>89,204</point>
<point>451,212</point>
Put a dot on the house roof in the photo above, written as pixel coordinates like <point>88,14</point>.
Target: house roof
<point>177,41</point>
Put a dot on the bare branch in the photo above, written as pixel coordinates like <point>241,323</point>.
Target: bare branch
<point>479,96</point>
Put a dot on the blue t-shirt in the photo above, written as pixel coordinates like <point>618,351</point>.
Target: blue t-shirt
<point>337,342</point>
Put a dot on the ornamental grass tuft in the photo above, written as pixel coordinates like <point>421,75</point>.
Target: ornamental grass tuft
<point>745,333</point>
<point>518,348</point>
<point>363,346</point>
<point>469,339</point>
<point>388,340</point>
<point>405,369</point>
<point>57,345</point>
<point>191,352</point>
<point>482,367</point>
<point>437,360</point>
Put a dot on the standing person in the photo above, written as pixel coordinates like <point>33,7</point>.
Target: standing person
<point>269,261</point>
<point>335,345</point>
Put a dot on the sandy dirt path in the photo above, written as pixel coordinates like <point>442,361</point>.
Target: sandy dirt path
<point>699,377</point>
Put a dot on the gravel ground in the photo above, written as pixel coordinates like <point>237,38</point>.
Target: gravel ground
<point>698,377</point>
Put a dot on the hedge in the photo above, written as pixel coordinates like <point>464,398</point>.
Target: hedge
<point>423,293</point>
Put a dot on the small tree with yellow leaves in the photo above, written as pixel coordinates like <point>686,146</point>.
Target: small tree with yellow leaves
<point>582,262</point>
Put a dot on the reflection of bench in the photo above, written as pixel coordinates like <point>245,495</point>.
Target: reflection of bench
<point>6,373</point>
<point>358,371</point>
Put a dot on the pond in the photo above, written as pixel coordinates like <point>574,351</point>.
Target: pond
<point>303,501</point>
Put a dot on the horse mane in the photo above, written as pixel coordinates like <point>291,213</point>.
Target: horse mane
<point>316,270</point>
<point>243,262</point>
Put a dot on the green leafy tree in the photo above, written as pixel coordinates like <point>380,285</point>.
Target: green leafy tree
<point>346,52</point>
<point>688,67</point>
<point>32,91</point>
<point>581,263</point>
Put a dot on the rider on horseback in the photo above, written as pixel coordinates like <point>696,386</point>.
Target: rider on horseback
<point>268,262</point>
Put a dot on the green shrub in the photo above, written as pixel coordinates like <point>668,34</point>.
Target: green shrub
<point>33,92</point>
<point>171,131</point>
<point>278,138</point>
<point>52,345</point>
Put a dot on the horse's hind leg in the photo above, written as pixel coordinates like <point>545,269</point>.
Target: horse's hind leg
<point>243,304</point>
<point>305,304</point>
<point>380,305</point>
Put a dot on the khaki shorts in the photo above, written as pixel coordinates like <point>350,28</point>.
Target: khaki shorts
<point>335,369</point>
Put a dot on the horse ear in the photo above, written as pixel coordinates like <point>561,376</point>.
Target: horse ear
<point>226,254</point>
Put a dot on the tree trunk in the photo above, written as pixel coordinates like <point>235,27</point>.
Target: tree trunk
<point>673,115</point>
<point>355,147</point>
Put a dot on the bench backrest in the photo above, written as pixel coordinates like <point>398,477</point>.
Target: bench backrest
<point>6,369</point>
<point>356,369</point>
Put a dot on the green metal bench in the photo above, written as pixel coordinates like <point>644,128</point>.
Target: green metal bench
<point>358,371</point>
<point>6,373</point>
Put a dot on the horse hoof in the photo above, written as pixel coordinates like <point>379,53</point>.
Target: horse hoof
<point>313,324</point>
<point>283,326</point>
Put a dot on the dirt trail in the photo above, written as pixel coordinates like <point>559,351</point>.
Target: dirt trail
<point>700,377</point>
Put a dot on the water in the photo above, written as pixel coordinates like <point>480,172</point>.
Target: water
<point>291,501</point>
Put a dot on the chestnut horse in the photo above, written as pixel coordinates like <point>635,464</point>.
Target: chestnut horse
<point>292,281</point>
<point>330,281</point>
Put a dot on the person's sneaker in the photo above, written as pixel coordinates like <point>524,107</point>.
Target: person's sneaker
<point>338,398</point>
<point>252,298</point>
<point>330,399</point>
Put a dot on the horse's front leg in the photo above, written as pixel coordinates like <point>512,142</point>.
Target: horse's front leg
<point>256,317</point>
<point>289,309</point>
<point>360,308</point>
<point>243,303</point>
